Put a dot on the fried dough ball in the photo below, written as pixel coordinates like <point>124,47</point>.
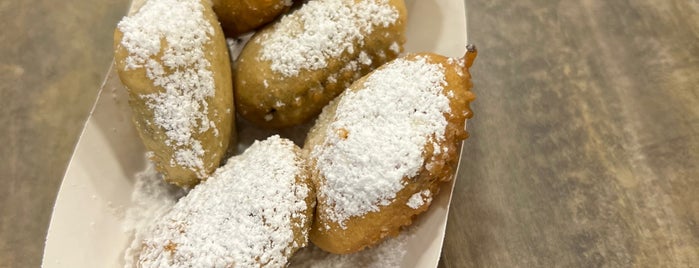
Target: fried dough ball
<point>242,16</point>
<point>292,68</point>
<point>172,57</point>
<point>255,211</point>
<point>379,152</point>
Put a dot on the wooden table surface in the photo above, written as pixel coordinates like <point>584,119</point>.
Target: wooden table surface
<point>584,151</point>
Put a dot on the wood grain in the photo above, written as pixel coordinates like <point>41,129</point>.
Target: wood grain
<point>585,141</point>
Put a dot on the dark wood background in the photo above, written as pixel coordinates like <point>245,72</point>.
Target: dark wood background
<point>584,151</point>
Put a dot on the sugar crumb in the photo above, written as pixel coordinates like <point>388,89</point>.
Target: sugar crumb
<point>395,47</point>
<point>364,58</point>
<point>418,199</point>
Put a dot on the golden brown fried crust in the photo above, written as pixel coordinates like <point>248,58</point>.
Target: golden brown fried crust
<point>302,225</point>
<point>259,90</point>
<point>241,16</point>
<point>221,108</point>
<point>371,228</point>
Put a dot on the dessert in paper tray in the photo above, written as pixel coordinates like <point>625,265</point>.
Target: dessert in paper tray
<point>115,208</point>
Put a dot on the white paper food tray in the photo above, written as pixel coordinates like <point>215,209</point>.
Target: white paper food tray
<point>86,225</point>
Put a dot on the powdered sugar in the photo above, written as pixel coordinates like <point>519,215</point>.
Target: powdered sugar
<point>395,47</point>
<point>364,58</point>
<point>242,215</point>
<point>388,254</point>
<point>320,30</point>
<point>152,197</point>
<point>181,108</point>
<point>419,199</point>
<point>460,62</point>
<point>378,135</point>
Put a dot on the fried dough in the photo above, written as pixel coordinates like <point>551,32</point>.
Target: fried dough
<point>292,68</point>
<point>242,16</point>
<point>379,152</point>
<point>172,57</point>
<point>255,211</point>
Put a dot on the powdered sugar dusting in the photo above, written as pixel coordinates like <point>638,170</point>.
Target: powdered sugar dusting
<point>378,135</point>
<point>395,47</point>
<point>181,108</point>
<point>241,216</point>
<point>460,62</point>
<point>321,30</point>
<point>364,58</point>
<point>419,199</point>
<point>152,197</point>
